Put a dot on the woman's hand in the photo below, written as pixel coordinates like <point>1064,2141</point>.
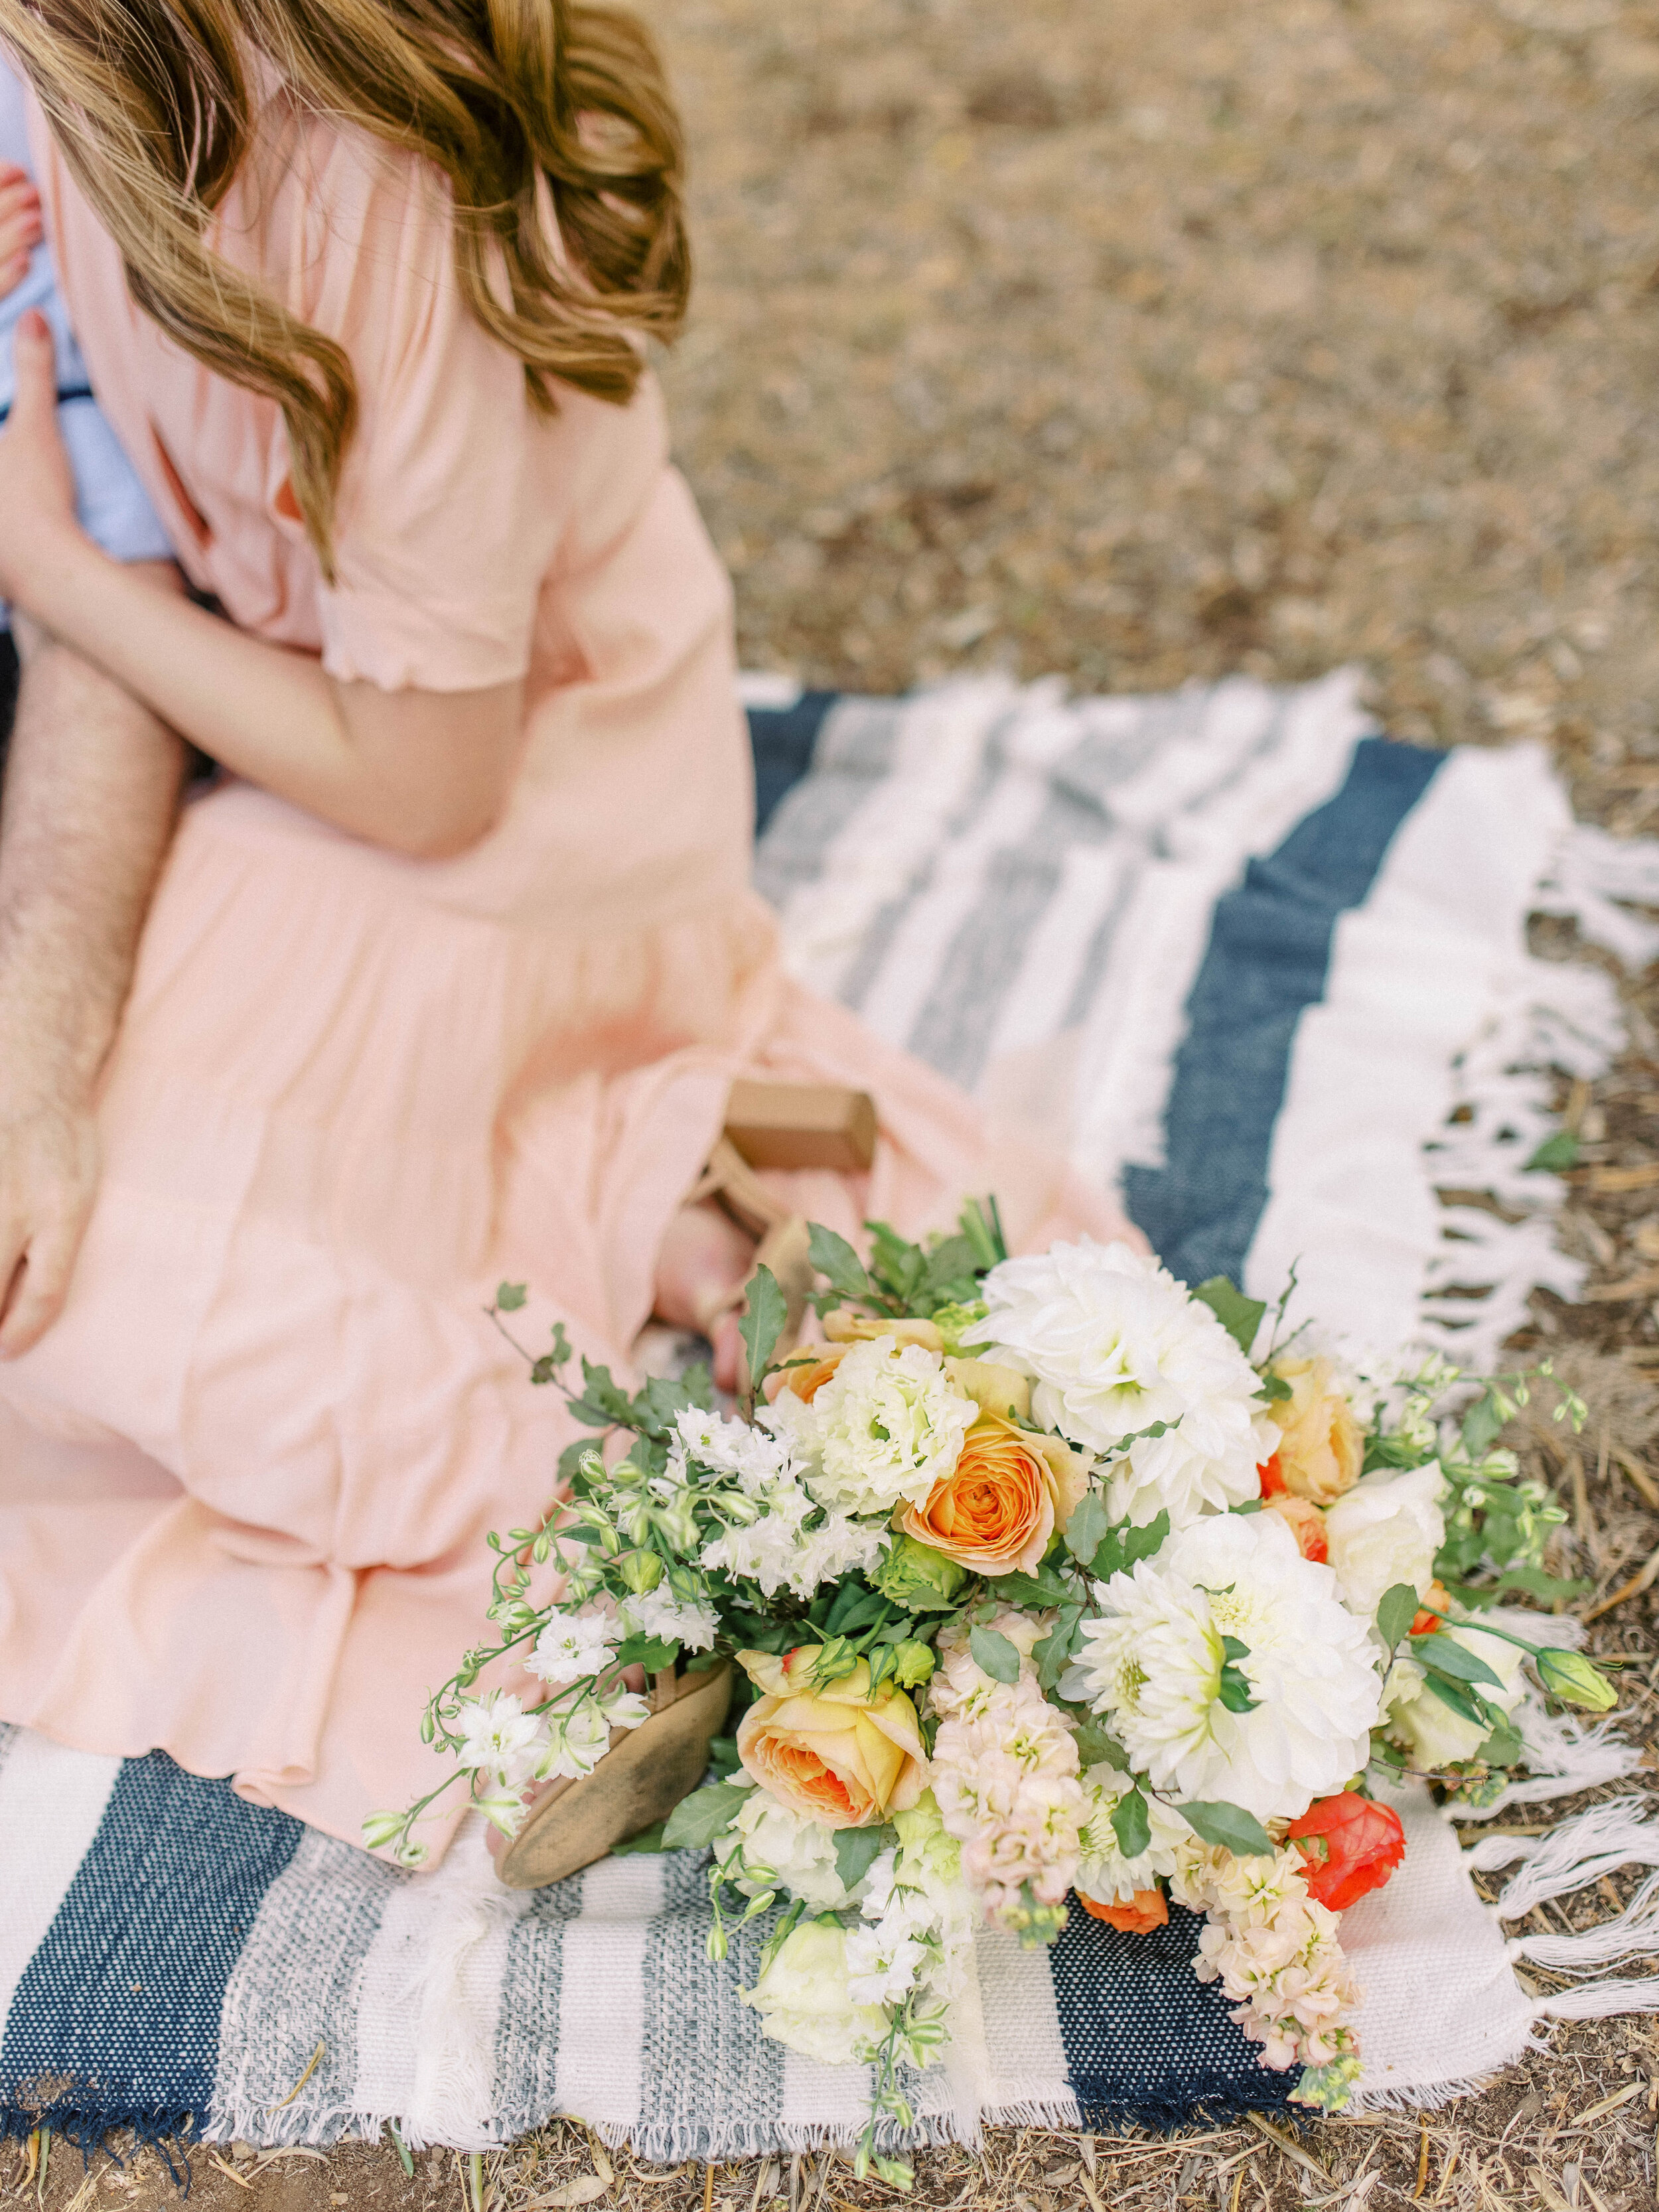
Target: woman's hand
<point>37,529</point>
<point>19,225</point>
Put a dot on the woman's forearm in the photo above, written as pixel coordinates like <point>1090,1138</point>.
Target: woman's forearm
<point>424,773</point>
<point>91,795</point>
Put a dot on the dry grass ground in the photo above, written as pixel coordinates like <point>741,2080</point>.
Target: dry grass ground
<point>1141,342</point>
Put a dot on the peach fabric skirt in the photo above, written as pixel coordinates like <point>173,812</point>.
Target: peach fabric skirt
<point>246,1479</point>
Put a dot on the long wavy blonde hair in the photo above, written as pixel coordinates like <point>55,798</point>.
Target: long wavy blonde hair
<point>513,100</point>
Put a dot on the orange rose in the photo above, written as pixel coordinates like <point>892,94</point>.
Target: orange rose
<point>1322,1448</point>
<point>997,1509</point>
<point>1307,1525</point>
<point>1351,1846</point>
<point>1430,1617</point>
<point>838,1755</point>
<point>1147,1909</point>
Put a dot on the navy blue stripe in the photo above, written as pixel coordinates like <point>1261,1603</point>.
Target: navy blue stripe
<point>1146,2041</point>
<point>1269,954</point>
<point>783,739</point>
<point>116,2019</point>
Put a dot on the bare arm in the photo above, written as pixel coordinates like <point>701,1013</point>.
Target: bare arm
<point>91,795</point>
<point>426,772</point>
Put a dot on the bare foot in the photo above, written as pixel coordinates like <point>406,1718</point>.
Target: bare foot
<point>705,1259</point>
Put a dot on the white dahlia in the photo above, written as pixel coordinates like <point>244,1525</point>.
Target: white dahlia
<point>1153,1662</point>
<point>885,1428</point>
<point>1103,1874</point>
<point>1114,1346</point>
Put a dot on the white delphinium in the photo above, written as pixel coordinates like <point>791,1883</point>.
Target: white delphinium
<point>754,1457</point>
<point>577,1741</point>
<point>621,1707</point>
<point>689,1622</point>
<point>574,1645</point>
<point>499,1737</point>
<point>1005,1768</point>
<point>1103,1874</point>
<point>918,1919</point>
<point>886,1426</point>
<point>1386,1531</point>
<point>1153,1660</point>
<point>768,1846</point>
<point>1115,1346</point>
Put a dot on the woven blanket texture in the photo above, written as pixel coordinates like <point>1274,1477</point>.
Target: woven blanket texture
<point>1238,955</point>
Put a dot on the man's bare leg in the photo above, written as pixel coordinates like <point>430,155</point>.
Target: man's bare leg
<point>91,796</point>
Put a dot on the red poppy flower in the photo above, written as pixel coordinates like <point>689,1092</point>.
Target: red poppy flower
<point>1273,1484</point>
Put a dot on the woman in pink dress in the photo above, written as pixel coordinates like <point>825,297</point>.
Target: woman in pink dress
<point>446,980</point>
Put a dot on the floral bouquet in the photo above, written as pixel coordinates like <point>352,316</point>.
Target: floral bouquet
<point>1046,1579</point>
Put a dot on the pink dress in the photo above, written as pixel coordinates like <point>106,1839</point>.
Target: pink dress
<point>244,1479</point>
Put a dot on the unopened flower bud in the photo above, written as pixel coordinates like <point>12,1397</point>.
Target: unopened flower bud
<point>640,1570</point>
<point>1570,1677</point>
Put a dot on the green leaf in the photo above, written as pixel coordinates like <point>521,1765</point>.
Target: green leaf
<point>1240,1316</point>
<point>1054,1652</point>
<point>1503,1747</point>
<point>648,1840</point>
<point>765,1314</point>
<point>1274,1387</point>
<point>1397,1612</point>
<point>1438,1654</point>
<point>993,1653</point>
<point>1532,1580</point>
<point>1096,1743</point>
<point>706,1813</point>
<point>834,1256</point>
<point>647,1651</point>
<point>1480,1427</point>
<point>1555,1155</point>
<point>509,1297</point>
<point>1230,1825</point>
<point>1144,1543</point>
<point>1088,1528</point>
<point>949,1275</point>
<point>1044,1588</point>
<point>857,1850</point>
<point>1467,1707</point>
<point>1233,1690</point>
<point>1132,1824</point>
<point>899,1265</point>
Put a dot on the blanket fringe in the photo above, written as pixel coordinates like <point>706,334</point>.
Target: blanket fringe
<point>1549,1014</point>
<point>1622,1831</point>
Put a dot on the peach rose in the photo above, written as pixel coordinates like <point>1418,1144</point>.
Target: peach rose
<point>1147,1909</point>
<point>843,1327</point>
<point>836,1755</point>
<point>1430,1615</point>
<point>1307,1525</point>
<point>805,1379</point>
<point>1322,1448</point>
<point>993,1387</point>
<point>997,1509</point>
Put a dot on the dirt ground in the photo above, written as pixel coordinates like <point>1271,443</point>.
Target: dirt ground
<point>1139,343</point>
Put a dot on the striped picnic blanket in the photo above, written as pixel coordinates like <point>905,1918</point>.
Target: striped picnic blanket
<point>1244,958</point>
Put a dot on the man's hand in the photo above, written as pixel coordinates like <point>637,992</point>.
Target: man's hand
<point>19,225</point>
<point>48,1179</point>
<point>37,484</point>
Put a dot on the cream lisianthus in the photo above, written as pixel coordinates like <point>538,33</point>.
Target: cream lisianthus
<point>1386,1531</point>
<point>796,1852</point>
<point>1115,1346</point>
<point>884,1427</point>
<point>1152,1661</point>
<point>1434,1735</point>
<point>803,2002</point>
